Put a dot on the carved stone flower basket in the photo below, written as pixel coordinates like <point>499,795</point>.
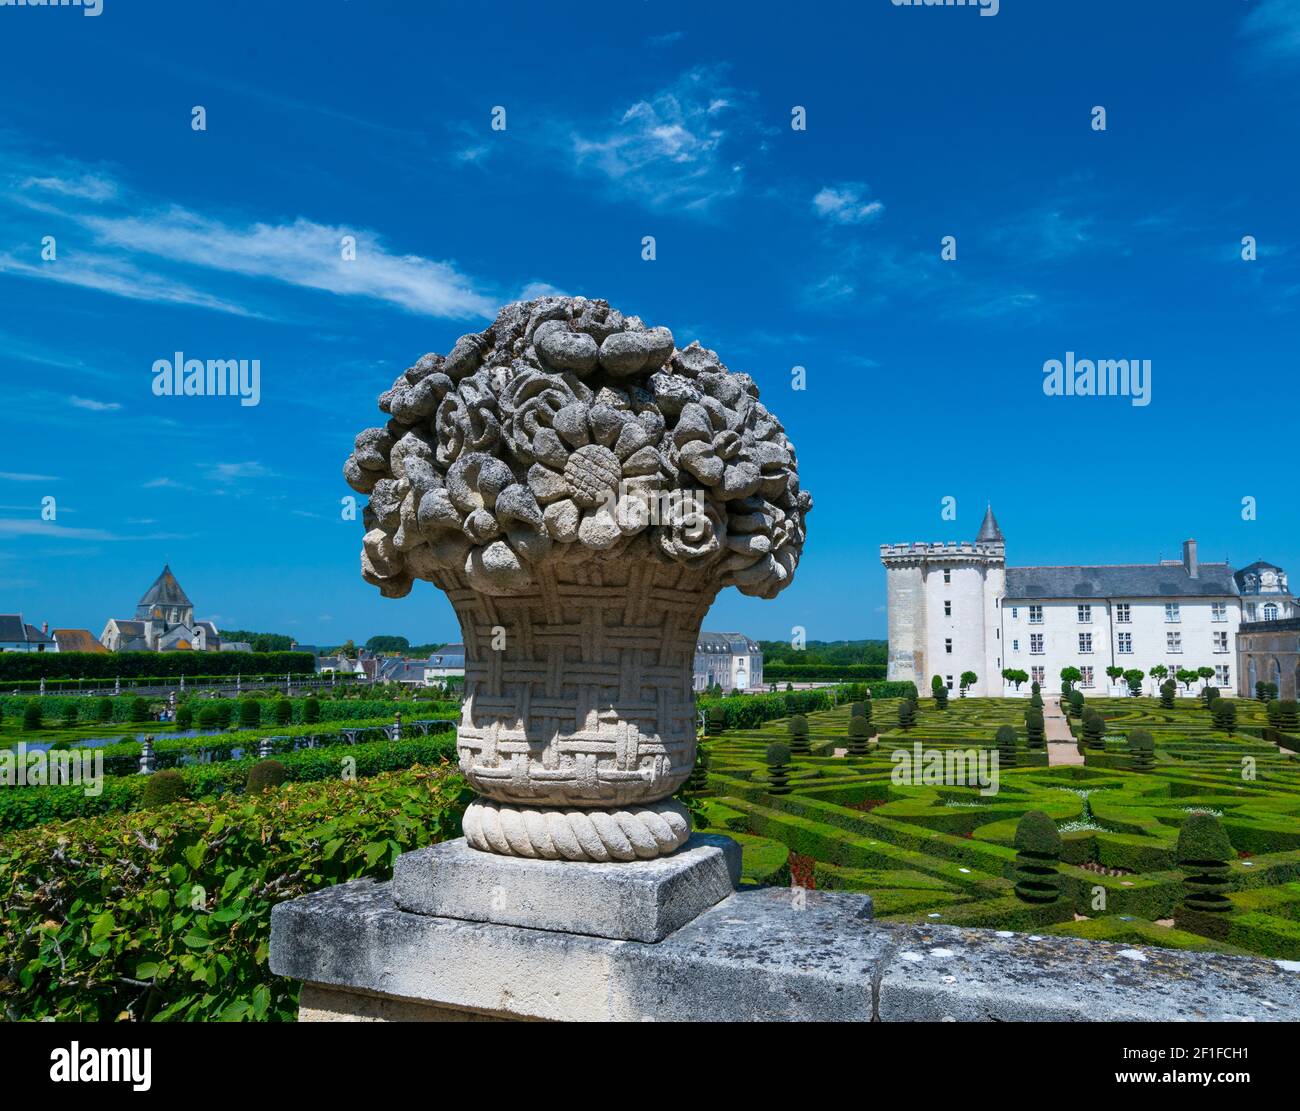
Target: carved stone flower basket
<point>581,490</point>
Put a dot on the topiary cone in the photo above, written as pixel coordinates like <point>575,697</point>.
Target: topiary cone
<point>906,714</point>
<point>1038,850</point>
<point>860,733</point>
<point>1203,852</point>
<point>1035,728</point>
<point>799,743</point>
<point>1006,738</point>
<point>1142,750</point>
<point>778,764</point>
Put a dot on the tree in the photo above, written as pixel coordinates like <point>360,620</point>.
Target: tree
<point>1014,675</point>
<point>1038,849</point>
<point>184,716</point>
<point>1115,674</point>
<point>1205,674</point>
<point>1133,678</point>
<point>348,650</point>
<point>388,644</point>
<point>1187,676</point>
<point>69,714</point>
<point>104,710</point>
<point>1071,675</point>
<point>1159,673</point>
<point>968,680</point>
<point>32,715</point>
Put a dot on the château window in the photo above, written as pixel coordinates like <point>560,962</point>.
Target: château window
<point>947,645</point>
<point>1222,675</point>
<point>1172,612</point>
<point>1123,613</point>
<point>1036,644</point>
<point>1037,675</point>
<point>1126,644</point>
<point>947,609</point>
<point>1015,646</point>
<point>1035,615</point>
<point>1085,615</point>
<point>1220,642</point>
<point>1174,642</point>
<point>1219,611</point>
<point>1015,613</point>
<point>947,575</point>
<point>949,679</point>
<point>1270,612</point>
<point>1085,642</point>
<point>1087,676</point>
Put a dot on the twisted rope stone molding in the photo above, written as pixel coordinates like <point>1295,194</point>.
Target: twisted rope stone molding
<point>581,489</point>
<point>591,835</point>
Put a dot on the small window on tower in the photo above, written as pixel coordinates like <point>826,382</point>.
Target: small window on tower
<point>947,646</point>
<point>947,574</point>
<point>947,609</point>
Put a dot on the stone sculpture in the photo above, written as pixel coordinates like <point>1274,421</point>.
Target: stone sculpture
<point>581,490</point>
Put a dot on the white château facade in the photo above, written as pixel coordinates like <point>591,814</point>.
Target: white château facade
<point>958,607</point>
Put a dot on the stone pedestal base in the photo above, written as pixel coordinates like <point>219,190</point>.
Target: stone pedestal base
<point>642,901</point>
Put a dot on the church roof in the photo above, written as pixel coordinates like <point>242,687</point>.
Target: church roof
<point>166,591</point>
<point>1135,580</point>
<point>989,531</point>
<point>77,640</point>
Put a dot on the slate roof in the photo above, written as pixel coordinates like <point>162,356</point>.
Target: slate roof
<point>1134,580</point>
<point>13,629</point>
<point>77,640</point>
<point>448,656</point>
<point>989,531</point>
<point>166,591</point>
<point>734,643</point>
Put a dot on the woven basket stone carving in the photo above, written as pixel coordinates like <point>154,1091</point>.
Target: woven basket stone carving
<point>581,490</point>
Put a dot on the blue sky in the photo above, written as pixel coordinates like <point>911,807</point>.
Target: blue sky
<point>776,247</point>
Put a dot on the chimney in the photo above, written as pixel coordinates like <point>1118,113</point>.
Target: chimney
<point>1189,558</point>
<point>45,627</point>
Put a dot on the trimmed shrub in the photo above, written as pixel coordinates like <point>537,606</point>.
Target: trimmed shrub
<point>1036,701</point>
<point>1035,688</point>
<point>717,718</point>
<point>1203,853</point>
<point>104,710</point>
<point>798,728</point>
<point>311,710</point>
<point>1288,715</point>
<point>1209,694</point>
<point>139,709</point>
<point>1261,691</point>
<point>163,787</point>
<point>250,713</point>
<point>860,734</point>
<point>1006,738</point>
<point>1038,851</point>
<point>1224,712</point>
<point>1094,730</point>
<point>283,711</point>
<point>698,781</point>
<point>1076,702</point>
<point>225,712</point>
<point>208,718</point>
<point>860,710</point>
<point>906,714</point>
<point>1142,750</point>
<point>1168,692</point>
<point>69,720</point>
<point>1035,728</point>
<point>184,716</point>
<point>778,764</point>
<point>32,715</point>
<point>264,775</point>
<point>941,698</point>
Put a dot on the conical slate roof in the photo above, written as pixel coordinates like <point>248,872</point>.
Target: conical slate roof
<point>166,591</point>
<point>989,531</point>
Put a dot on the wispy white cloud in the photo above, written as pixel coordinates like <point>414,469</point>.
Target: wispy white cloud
<point>846,204</point>
<point>95,406</point>
<point>668,38</point>
<point>232,472</point>
<point>1272,31</point>
<point>130,238</point>
<point>18,476</point>
<point>674,148</point>
<point>162,484</point>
